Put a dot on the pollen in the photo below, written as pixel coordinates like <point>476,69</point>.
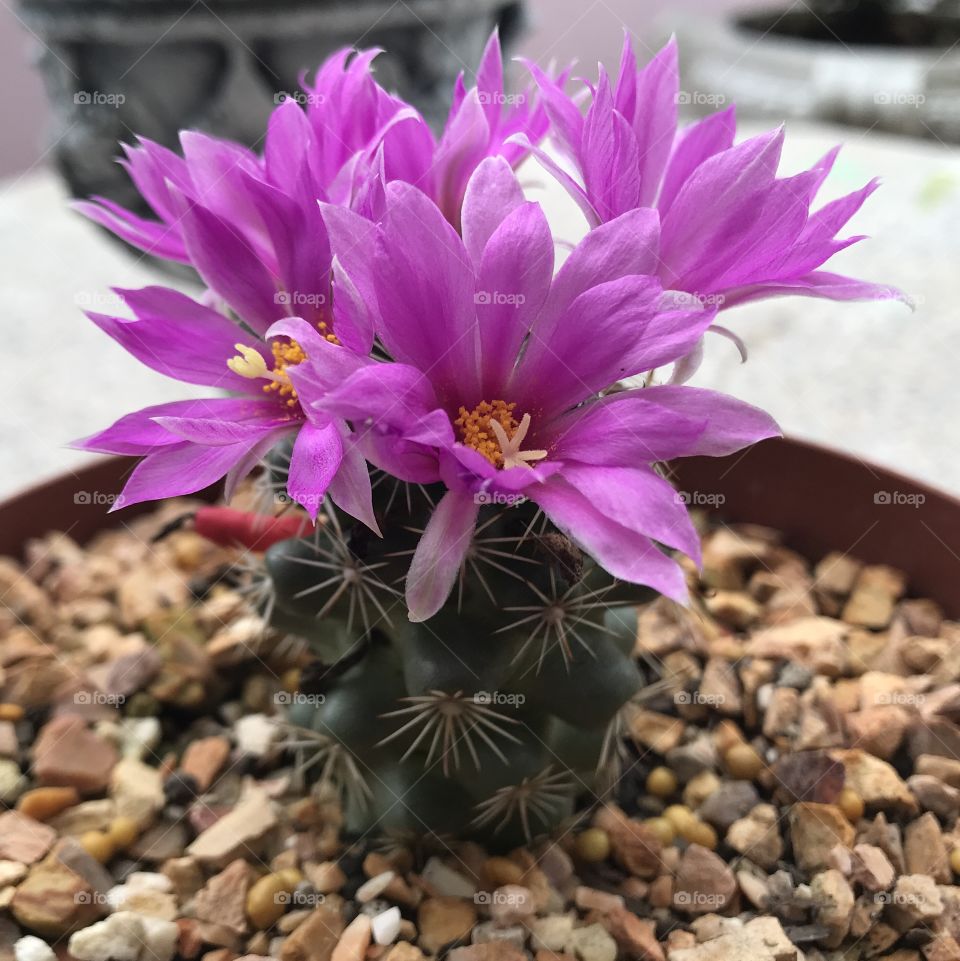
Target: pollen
<point>286,353</point>
<point>249,363</point>
<point>477,433</point>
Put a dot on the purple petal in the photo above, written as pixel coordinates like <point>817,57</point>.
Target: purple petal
<point>317,453</point>
<point>515,274</point>
<point>640,500</point>
<point>184,469</point>
<point>139,433</point>
<point>432,278</point>
<point>350,488</point>
<point>173,334</point>
<point>587,348</point>
<point>821,284</point>
<point>619,550</point>
<point>492,193</point>
<point>228,264</point>
<point>439,554</point>
<point>392,395</point>
<point>719,198</point>
<point>694,145</point>
<point>655,120</point>
<point>154,238</point>
<point>608,157</point>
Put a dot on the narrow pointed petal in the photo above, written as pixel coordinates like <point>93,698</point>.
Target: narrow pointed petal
<point>492,194</point>
<point>316,457</point>
<point>620,551</point>
<point>439,554</point>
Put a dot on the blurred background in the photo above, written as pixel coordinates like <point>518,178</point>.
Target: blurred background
<point>881,77</point>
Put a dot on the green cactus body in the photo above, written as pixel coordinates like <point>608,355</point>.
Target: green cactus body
<point>490,719</point>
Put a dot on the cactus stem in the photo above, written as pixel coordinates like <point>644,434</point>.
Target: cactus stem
<point>557,617</point>
<point>355,578</point>
<point>256,586</point>
<point>540,796</point>
<point>338,767</point>
<point>270,485</point>
<point>451,718</point>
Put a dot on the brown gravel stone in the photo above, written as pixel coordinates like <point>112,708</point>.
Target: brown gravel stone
<point>871,868</point>
<point>204,759</point>
<point>814,830</point>
<point>876,781</point>
<point>488,951</point>
<point>24,839</point>
<point>443,920</point>
<point>834,899</point>
<point>757,836</point>
<point>223,898</point>
<point>68,754</point>
<point>354,941</point>
<point>635,937</point>
<point>704,883</point>
<point>241,826</point>
<point>53,901</point>
<point>635,845</point>
<point>43,803</point>
<point>878,730</point>
<point>316,938</point>
<point>924,851</point>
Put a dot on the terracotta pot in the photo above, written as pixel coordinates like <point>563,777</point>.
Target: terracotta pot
<point>821,499</point>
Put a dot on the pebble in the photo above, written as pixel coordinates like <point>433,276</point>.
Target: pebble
<point>354,941</point>
<point>445,881</point>
<point>515,935</point>
<point>757,836</point>
<point>243,825</point>
<point>204,759</point>
<point>255,734</point>
<point>509,904</point>
<point>266,899</point>
<point>551,933</point>
<point>24,839</point>
<point>593,943</point>
<point>590,899</point>
<point>385,926</point>
<point>704,882</point>
<point>223,899</point>
<point>316,937</point>
<point>375,886</point>
<point>441,920</point>
<point>137,791</point>
<point>731,801</point>
<point>593,845</point>
<point>44,803</point>
<point>30,948</point>
<point>12,781</point>
<point>53,901</point>
<point>68,754</point>
<point>814,830</point>
<point>126,936</point>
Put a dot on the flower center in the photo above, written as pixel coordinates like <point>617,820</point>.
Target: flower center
<point>249,363</point>
<point>492,431</point>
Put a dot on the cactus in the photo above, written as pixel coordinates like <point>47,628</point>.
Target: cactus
<point>489,719</point>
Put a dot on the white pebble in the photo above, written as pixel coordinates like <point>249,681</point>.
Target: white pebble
<point>33,949</point>
<point>446,881</point>
<point>126,936</point>
<point>385,926</point>
<point>375,886</point>
<point>255,734</point>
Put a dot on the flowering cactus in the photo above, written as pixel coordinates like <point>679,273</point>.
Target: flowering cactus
<point>473,432</point>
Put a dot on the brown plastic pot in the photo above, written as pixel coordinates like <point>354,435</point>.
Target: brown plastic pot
<point>822,500</point>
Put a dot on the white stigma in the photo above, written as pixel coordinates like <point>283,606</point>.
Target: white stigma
<point>510,446</point>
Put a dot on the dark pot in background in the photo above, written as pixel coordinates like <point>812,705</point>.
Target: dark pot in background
<point>117,68</point>
<point>877,64</point>
<point>822,501</point>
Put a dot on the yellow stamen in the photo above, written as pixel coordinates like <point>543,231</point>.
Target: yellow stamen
<point>491,430</point>
<point>250,364</point>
